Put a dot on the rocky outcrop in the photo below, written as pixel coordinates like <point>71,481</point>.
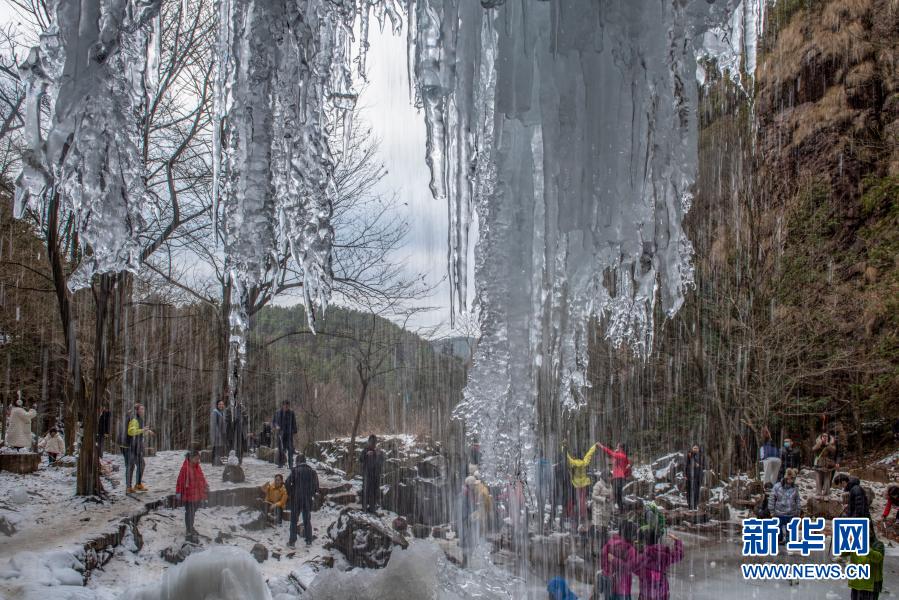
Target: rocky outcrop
<point>364,539</point>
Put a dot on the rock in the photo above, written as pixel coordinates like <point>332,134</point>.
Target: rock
<point>260,553</point>
<point>666,467</point>
<point>400,499</point>
<point>823,507</point>
<point>421,531</point>
<point>149,451</point>
<point>66,462</point>
<point>875,473</point>
<point>432,466</point>
<point>704,494</point>
<point>742,488</point>
<point>400,524</point>
<point>19,495</point>
<point>719,511</point>
<point>438,533</point>
<point>710,479</point>
<point>206,457</point>
<point>233,473</point>
<point>641,488</point>
<point>363,539</point>
<point>680,516</point>
<point>176,555</point>
<point>262,453</point>
<point>343,498</point>
<point>332,487</point>
<point>7,525</point>
<point>20,462</point>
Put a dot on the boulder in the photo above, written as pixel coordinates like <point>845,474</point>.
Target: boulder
<point>421,531</point>
<point>327,488</point>
<point>364,539</point>
<point>432,466</point>
<point>400,499</point>
<point>342,499</point>
<point>233,473</point>
<point>175,555</point>
<point>260,553</point>
<point>430,507</point>
<point>824,507</point>
<point>719,511</point>
<point>8,525</point>
<point>20,462</point>
<point>641,488</point>
<point>262,453</point>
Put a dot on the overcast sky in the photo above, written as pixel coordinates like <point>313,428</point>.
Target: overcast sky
<point>400,128</point>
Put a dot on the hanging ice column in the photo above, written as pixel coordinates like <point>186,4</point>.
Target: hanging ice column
<point>571,126</point>
<point>90,69</point>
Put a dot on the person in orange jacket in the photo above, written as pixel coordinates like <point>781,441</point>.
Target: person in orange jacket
<point>191,490</point>
<point>275,497</point>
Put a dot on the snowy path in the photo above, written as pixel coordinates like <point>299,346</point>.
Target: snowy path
<point>54,518</point>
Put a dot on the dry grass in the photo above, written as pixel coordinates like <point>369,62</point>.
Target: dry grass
<point>831,112</point>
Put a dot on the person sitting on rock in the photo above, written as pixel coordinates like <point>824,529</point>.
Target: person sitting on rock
<point>53,445</point>
<point>784,501</point>
<point>190,490</point>
<point>857,504</point>
<point>275,498</point>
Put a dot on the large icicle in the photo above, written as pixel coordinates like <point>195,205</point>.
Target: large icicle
<point>571,126</point>
<point>90,69</point>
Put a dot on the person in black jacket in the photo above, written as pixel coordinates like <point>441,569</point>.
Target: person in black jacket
<point>284,426</point>
<point>694,468</point>
<point>104,427</point>
<point>857,506</point>
<point>790,458</point>
<point>372,461</point>
<point>302,485</point>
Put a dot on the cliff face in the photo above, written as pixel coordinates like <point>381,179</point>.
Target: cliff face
<point>794,322</point>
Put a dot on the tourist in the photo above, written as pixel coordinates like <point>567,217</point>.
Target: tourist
<point>53,445</point>
<point>302,485</point>
<point>621,470</point>
<point>869,588</point>
<point>190,490</point>
<point>652,565</point>
<point>275,498</point>
<point>857,503</point>
<point>558,589</point>
<point>284,427</point>
<point>784,501</point>
<point>694,468</point>
<point>825,452</point>
<point>617,560</point>
<point>770,458</point>
<point>892,495</point>
<point>602,502</point>
<point>762,509</point>
<point>218,428</point>
<point>513,496</point>
<point>576,508</point>
<point>104,426</point>
<point>18,435</point>
<point>135,459</point>
<point>265,436</point>
<point>790,458</point>
<point>563,492</point>
<point>372,462</point>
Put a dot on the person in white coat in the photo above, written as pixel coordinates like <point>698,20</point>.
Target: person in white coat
<point>53,445</point>
<point>602,502</point>
<point>19,434</point>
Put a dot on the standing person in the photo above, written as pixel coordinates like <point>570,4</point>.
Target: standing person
<point>602,502</point>
<point>563,491</point>
<point>617,560</point>
<point>135,460</point>
<point>284,427</point>
<point>870,588</point>
<point>825,453</point>
<point>580,481</point>
<point>302,485</point>
<point>857,505</point>
<point>275,497</point>
<point>53,445</point>
<point>18,435</point>
<point>784,500</point>
<point>621,470</point>
<point>653,563</point>
<point>770,458</point>
<point>892,495</point>
<point>790,458</point>
<point>477,504</point>
<point>218,429</point>
<point>694,468</point>
<point>190,490</point>
<point>372,462</point>
<point>104,425</point>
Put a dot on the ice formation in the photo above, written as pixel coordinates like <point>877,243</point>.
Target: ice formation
<point>220,573</point>
<point>570,129</point>
<point>90,69</point>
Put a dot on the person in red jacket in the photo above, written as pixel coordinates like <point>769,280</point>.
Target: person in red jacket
<point>892,500</point>
<point>652,566</point>
<point>621,470</point>
<point>191,490</point>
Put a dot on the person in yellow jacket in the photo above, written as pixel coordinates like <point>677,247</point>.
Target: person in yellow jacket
<point>275,498</point>
<point>134,459</point>
<point>580,481</point>
<point>868,589</point>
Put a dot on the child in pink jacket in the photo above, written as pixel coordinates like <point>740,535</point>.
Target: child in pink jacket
<point>652,566</point>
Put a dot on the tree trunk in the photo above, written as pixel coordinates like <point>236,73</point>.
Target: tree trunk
<point>351,455</point>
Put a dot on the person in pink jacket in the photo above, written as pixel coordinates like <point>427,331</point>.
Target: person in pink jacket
<point>653,563</point>
<point>618,559</point>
